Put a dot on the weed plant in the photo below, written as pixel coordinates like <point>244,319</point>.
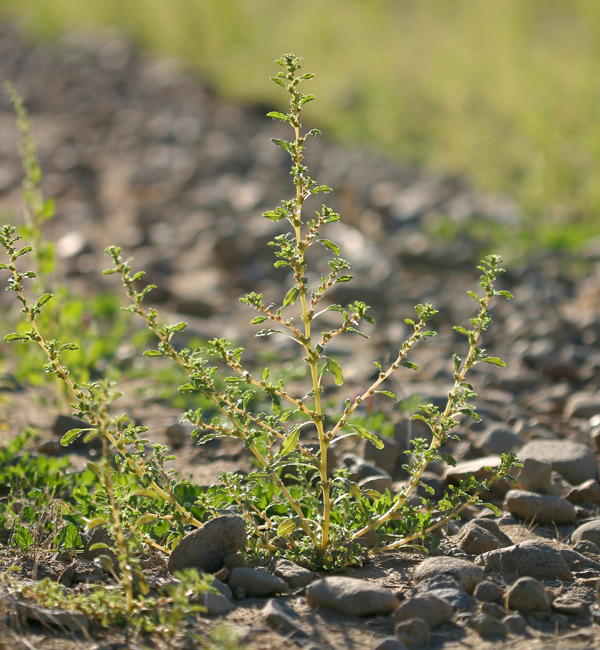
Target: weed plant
<point>293,504</point>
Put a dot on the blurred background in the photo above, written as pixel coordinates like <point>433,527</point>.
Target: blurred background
<point>505,94</point>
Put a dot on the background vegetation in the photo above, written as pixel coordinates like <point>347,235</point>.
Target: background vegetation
<point>506,93</point>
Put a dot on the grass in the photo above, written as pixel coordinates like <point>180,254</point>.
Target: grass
<point>505,93</point>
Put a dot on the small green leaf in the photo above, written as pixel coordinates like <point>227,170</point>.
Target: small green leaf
<point>153,353</point>
<point>42,300</point>
<point>289,444</point>
<point>71,436</point>
<point>278,116</point>
<point>387,393</point>
<point>334,368</point>
<point>496,361</point>
<point>187,388</point>
<point>97,521</point>
<point>15,337</point>
<point>291,296</point>
<point>332,246</point>
<point>286,527</point>
<point>25,249</point>
<point>409,364</point>
<point>367,435</point>
<point>258,320</point>
<point>145,519</point>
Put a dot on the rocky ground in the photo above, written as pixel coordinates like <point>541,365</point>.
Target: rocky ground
<point>141,154</point>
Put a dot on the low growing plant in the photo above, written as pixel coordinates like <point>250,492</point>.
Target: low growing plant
<point>292,503</point>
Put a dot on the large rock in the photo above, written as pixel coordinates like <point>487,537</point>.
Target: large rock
<point>351,597</point>
<point>432,609</point>
<point>528,595</point>
<point>540,508</point>
<point>480,536</point>
<point>205,549</point>
<point>590,532</point>
<point>467,574</point>
<point>499,439</point>
<point>530,558</point>
<point>575,461</point>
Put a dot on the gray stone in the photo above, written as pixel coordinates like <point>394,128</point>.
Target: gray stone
<point>205,549</point>
<point>480,536</point>
<point>256,583</point>
<point>234,560</point>
<point>528,595</point>
<point>215,604</point>
<point>467,574</point>
<point>583,405</point>
<point>515,623</point>
<point>351,597</point>
<point>575,461</point>
<point>499,439</point>
<point>432,609</point>
<point>390,643</point>
<point>176,434</point>
<point>488,592</point>
<point>445,587</point>
<point>588,532</point>
<point>414,633</point>
<point>489,627</point>
<point>99,536</point>
<point>531,558</point>
<point>384,458</point>
<point>570,605</point>
<point>296,576</point>
<point>588,492</point>
<point>378,483</point>
<point>535,476</point>
<point>282,618</point>
<point>577,561</point>
<point>68,620</point>
<point>539,508</point>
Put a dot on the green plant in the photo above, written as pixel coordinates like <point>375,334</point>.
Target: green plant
<point>319,516</point>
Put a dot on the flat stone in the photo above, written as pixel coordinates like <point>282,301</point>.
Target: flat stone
<point>296,576</point>
<point>73,621</point>
<point>467,574</point>
<point>530,558</point>
<point>390,643</point>
<point>515,623</point>
<point>582,405</point>
<point>433,610</point>
<point>480,536</point>
<point>570,605</point>
<point>499,439</point>
<point>282,618</point>
<point>535,476</point>
<point>384,458</point>
<point>351,597</point>
<point>575,461</point>
<point>539,508</point>
<point>256,583</point>
<point>378,483</point>
<point>589,532</point>
<point>414,633</point>
<point>445,587</point>
<point>587,492</point>
<point>205,549</point>
<point>215,604</point>
<point>489,627</point>
<point>528,595</point>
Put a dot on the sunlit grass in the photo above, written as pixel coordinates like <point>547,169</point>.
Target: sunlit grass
<point>506,93</point>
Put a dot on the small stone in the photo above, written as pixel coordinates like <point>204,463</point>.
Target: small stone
<point>378,483</point>
<point>445,587</point>
<point>390,643</point>
<point>515,623</point>
<point>256,583</point>
<point>432,609</point>
<point>73,621</point>
<point>581,547</point>
<point>589,532</point>
<point>351,597</point>
<point>582,405</point>
<point>414,633</point>
<point>539,508</point>
<point>296,576</point>
<point>575,461</point>
<point>284,619</point>
<point>480,536</point>
<point>535,476</point>
<point>577,561</point>
<point>176,434</point>
<point>99,536</point>
<point>587,492</point>
<point>531,558</point>
<point>493,609</point>
<point>234,560</point>
<point>489,627</point>
<point>467,574</point>
<point>205,549</point>
<point>569,605</point>
<point>216,604</point>
<point>488,592</point>
<point>384,458</point>
<point>528,595</point>
<point>559,621</point>
<point>560,487</point>
<point>499,439</point>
